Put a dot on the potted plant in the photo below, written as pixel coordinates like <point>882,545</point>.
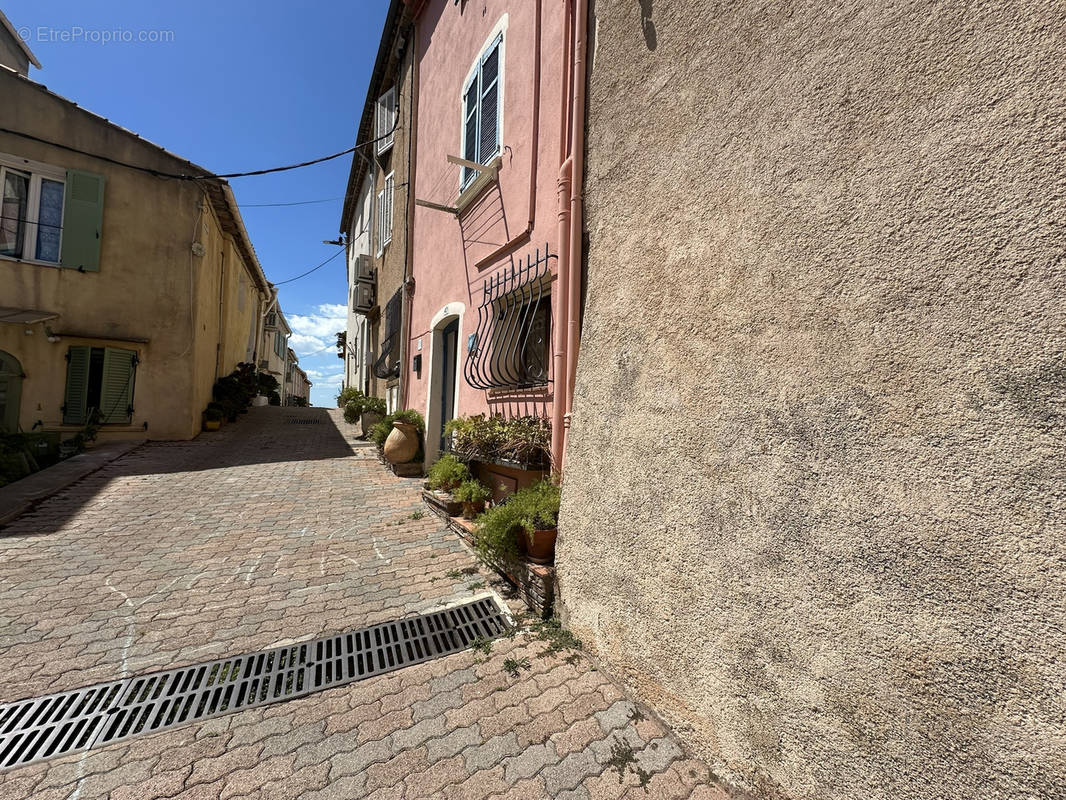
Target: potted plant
<point>399,436</point>
<point>448,473</point>
<point>372,412</point>
<point>525,523</point>
<point>472,494</point>
<point>212,419</point>
<point>353,409</point>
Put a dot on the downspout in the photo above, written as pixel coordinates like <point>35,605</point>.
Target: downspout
<point>534,155</point>
<point>221,312</point>
<point>577,190</point>
<point>408,250</point>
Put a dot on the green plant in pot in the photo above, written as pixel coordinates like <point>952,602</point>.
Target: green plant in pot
<point>448,473</point>
<point>525,523</point>
<point>353,410</point>
<point>472,494</point>
<point>372,412</point>
<point>212,418</point>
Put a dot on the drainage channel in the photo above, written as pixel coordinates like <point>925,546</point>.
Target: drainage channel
<point>80,719</point>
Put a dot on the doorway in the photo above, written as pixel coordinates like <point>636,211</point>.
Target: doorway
<point>10,392</point>
<point>449,350</point>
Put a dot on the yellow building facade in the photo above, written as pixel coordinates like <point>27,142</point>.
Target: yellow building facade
<point>121,289</point>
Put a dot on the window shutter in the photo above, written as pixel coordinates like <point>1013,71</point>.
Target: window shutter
<point>381,221</point>
<point>470,129</point>
<point>389,182</point>
<point>385,120</point>
<point>116,386</point>
<point>488,128</point>
<point>77,385</point>
<point>83,216</point>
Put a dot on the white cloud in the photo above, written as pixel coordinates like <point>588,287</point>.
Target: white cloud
<point>305,345</point>
<point>327,320</point>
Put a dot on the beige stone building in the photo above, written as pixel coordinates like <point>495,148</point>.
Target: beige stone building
<point>274,346</point>
<point>297,386</point>
<point>376,220</point>
<point>120,290</point>
<point>814,508</point>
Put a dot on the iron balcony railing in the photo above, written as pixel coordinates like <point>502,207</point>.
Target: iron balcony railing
<point>510,348</point>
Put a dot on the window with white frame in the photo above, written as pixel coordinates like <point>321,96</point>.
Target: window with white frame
<point>481,111</point>
<point>31,220</point>
<point>384,211</point>
<point>385,120</point>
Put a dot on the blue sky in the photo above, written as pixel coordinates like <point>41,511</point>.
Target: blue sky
<point>239,86</point>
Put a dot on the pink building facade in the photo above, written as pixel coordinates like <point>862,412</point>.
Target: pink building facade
<point>489,290</point>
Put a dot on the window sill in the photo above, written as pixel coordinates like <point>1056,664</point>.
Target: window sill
<point>32,261</point>
<point>488,177</point>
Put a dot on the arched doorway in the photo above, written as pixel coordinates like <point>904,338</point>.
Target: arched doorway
<point>444,371</point>
<point>10,392</point>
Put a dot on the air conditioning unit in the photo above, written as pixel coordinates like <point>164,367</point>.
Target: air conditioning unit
<point>364,267</point>
<point>272,320</point>
<point>364,297</point>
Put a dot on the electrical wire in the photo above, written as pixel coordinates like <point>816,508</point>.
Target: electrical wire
<point>304,274</point>
<point>206,176</point>
<point>298,203</point>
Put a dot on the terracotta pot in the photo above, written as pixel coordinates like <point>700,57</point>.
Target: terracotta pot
<point>368,421</point>
<point>402,443</point>
<point>541,550</point>
<point>471,510</point>
<point>212,424</point>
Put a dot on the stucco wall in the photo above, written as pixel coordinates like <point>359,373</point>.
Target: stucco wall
<point>814,504</point>
<point>454,254</point>
<point>149,286</point>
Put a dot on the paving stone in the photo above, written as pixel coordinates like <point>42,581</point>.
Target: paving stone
<point>491,752</point>
<point>529,762</point>
<point>482,784</point>
<point>160,544</point>
<point>570,772</point>
<point>430,782</point>
<point>618,714</point>
<point>161,784</point>
<point>453,743</point>
<point>626,736</point>
<point>658,755</point>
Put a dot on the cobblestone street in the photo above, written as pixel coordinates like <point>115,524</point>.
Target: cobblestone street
<point>273,531</point>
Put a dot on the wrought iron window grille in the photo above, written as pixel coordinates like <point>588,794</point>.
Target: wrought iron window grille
<point>388,363</point>
<point>510,348</point>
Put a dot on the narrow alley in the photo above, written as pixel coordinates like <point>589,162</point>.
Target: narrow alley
<point>276,530</point>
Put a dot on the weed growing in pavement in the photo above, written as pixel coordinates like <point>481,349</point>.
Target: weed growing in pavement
<point>512,666</point>
<point>458,574</point>
<point>417,515</point>
<point>558,638</point>
<point>481,646</point>
<point>476,586</point>
<point>622,758</point>
<point>636,715</point>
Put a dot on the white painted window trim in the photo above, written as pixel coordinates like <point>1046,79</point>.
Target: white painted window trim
<point>36,170</point>
<point>499,31</point>
<point>385,116</point>
<point>385,207</point>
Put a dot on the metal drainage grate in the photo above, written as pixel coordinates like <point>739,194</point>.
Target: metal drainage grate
<point>301,421</point>
<point>68,722</point>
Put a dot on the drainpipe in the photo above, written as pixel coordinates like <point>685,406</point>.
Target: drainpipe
<point>577,189</point>
<point>562,284</point>
<point>559,372</point>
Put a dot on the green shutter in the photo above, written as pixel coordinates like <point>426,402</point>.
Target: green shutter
<point>83,216</point>
<point>116,386</point>
<point>77,385</point>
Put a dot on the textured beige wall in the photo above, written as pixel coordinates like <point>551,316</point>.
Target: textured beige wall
<point>814,504</point>
<point>149,286</point>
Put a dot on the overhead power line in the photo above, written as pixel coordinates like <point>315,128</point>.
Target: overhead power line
<point>304,274</point>
<point>205,176</point>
